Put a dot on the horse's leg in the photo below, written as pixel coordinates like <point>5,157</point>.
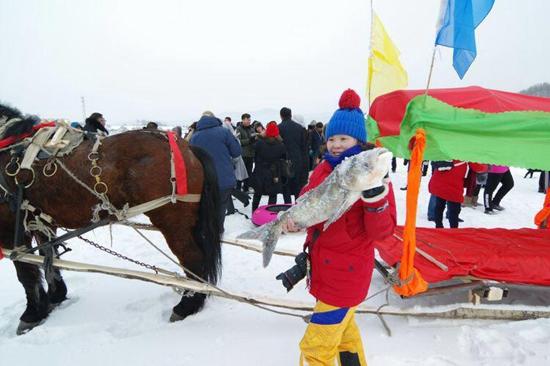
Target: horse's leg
<point>177,229</point>
<point>57,289</point>
<point>37,300</point>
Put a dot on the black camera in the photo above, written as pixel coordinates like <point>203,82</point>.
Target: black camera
<point>296,273</point>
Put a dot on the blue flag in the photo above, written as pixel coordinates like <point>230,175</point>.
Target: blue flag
<point>461,18</point>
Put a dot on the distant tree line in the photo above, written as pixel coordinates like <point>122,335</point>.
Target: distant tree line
<point>538,90</point>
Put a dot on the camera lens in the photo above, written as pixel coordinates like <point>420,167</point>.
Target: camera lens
<point>296,273</point>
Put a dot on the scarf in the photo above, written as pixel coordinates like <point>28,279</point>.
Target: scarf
<point>335,160</point>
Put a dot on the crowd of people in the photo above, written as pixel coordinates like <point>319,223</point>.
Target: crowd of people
<point>250,159</point>
<point>274,159</point>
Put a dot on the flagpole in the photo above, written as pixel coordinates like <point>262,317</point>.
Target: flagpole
<point>370,52</point>
<point>430,72</point>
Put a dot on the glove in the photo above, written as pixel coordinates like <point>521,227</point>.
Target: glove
<point>377,193</point>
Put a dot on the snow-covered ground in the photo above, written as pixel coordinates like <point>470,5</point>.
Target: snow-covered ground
<point>112,321</point>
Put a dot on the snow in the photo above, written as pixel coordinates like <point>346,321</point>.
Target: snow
<point>113,321</point>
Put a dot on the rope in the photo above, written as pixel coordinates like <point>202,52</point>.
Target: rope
<point>76,179</point>
<point>253,302</point>
<point>392,281</point>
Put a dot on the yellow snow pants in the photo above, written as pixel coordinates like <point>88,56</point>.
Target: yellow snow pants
<point>332,334</point>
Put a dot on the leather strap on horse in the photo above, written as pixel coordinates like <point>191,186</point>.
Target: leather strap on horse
<point>151,205</point>
<point>542,218</point>
<point>415,283</point>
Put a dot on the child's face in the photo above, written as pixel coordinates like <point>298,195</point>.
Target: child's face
<point>339,143</point>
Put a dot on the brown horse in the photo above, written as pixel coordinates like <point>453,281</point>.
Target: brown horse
<point>136,169</point>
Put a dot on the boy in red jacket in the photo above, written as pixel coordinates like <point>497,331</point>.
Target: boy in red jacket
<point>342,256</point>
<point>447,185</point>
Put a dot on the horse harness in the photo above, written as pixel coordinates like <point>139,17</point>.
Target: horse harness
<point>51,143</point>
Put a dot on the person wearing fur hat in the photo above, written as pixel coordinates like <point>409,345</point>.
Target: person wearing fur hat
<point>267,177</point>
<point>342,256</point>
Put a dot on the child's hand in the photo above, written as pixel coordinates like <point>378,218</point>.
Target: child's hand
<point>377,193</point>
<point>289,226</point>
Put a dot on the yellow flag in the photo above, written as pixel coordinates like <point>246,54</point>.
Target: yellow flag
<point>386,73</point>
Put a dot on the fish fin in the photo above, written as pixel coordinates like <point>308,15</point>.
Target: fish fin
<point>268,235</point>
<point>346,205</point>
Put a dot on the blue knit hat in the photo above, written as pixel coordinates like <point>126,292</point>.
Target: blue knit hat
<point>349,119</point>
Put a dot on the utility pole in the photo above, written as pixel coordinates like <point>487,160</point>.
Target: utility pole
<point>83,109</point>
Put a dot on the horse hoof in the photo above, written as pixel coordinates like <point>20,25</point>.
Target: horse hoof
<point>52,306</point>
<point>175,317</point>
<point>25,327</point>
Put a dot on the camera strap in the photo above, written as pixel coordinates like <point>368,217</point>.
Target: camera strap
<point>309,244</point>
<point>307,249</point>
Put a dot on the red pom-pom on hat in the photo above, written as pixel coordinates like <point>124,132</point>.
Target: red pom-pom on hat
<point>349,100</point>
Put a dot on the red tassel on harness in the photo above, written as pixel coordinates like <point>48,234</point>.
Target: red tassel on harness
<point>179,163</point>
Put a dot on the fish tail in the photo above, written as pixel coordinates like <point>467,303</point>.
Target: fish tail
<point>268,235</point>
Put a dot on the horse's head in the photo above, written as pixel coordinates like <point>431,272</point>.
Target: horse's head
<point>13,122</point>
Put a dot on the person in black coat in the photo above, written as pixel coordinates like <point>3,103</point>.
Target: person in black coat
<point>96,123</point>
<point>295,139</point>
<point>267,177</point>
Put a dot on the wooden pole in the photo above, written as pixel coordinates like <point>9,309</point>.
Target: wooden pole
<point>183,283</point>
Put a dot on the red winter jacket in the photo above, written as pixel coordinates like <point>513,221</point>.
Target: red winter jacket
<point>342,257</point>
<point>449,184</point>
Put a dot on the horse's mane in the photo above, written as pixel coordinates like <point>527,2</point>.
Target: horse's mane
<point>24,124</point>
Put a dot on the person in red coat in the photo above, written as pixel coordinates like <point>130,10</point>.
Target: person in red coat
<point>342,256</point>
<point>447,185</point>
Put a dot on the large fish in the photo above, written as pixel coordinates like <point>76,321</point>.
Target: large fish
<point>328,201</point>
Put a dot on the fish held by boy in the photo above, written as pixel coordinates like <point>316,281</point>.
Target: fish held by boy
<point>328,201</point>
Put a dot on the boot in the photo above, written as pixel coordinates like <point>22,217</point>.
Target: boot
<point>467,201</point>
<point>474,201</point>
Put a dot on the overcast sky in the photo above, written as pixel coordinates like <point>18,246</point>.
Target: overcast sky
<point>170,60</point>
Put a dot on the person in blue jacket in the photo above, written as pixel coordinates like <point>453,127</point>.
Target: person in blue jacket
<point>222,147</point>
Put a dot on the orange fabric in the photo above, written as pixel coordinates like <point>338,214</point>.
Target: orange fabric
<point>413,281</point>
<point>543,216</point>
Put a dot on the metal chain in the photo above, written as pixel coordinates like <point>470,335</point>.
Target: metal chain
<point>118,255</point>
<point>188,293</point>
